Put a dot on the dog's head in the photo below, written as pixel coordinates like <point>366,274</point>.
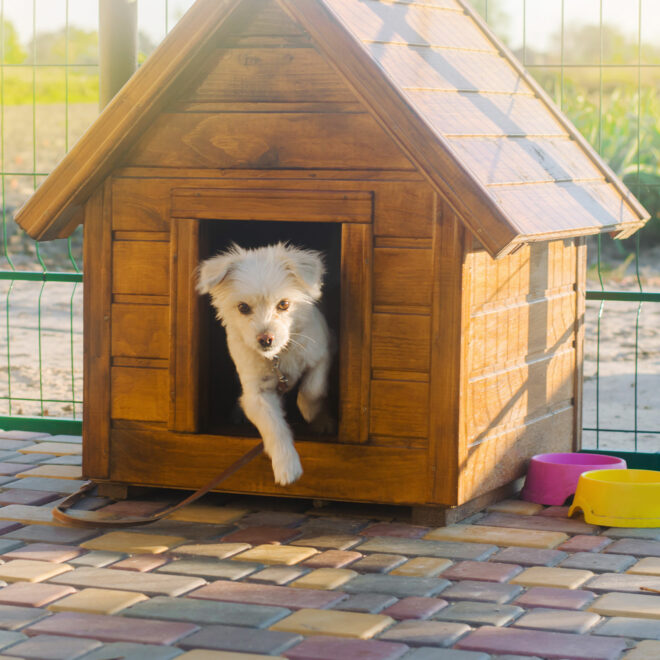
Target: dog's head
<point>263,293</point>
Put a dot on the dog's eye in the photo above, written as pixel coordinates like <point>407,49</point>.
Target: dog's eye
<point>283,305</point>
<point>244,308</point>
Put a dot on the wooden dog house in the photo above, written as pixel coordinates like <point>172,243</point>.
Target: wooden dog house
<point>456,197</point>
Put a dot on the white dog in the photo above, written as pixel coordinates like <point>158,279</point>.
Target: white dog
<point>265,298</point>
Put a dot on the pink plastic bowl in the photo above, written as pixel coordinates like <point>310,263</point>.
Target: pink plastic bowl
<point>553,478</point>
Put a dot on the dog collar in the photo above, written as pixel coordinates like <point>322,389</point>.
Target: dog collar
<point>282,380</point>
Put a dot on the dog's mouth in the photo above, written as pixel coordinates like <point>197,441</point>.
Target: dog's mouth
<point>269,351</point>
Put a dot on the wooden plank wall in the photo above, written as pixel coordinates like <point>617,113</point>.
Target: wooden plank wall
<point>267,111</point>
<point>520,362</point>
<point>140,302</point>
<point>266,99</point>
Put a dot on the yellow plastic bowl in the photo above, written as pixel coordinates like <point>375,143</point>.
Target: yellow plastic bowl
<point>619,498</point>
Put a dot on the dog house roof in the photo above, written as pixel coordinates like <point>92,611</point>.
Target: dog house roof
<point>453,98</point>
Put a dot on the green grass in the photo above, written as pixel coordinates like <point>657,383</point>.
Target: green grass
<point>48,85</point>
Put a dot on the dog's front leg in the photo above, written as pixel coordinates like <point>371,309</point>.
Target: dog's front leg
<point>264,410</point>
<point>312,396</point>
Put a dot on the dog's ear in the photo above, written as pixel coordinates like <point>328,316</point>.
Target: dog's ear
<point>307,266</point>
<point>214,270</point>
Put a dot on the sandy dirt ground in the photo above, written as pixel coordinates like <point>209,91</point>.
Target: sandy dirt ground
<point>621,395</point>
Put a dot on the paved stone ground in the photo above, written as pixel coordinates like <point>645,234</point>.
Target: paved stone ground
<point>243,578</point>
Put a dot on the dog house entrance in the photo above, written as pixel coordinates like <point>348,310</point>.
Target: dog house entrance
<point>222,415</point>
<point>203,382</point>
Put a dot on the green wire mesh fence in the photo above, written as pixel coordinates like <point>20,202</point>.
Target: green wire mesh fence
<point>599,60</point>
<point>49,93</point>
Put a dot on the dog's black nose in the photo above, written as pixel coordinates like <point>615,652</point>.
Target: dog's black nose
<point>265,340</point>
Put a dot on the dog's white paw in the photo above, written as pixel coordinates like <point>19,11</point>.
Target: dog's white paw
<point>286,467</point>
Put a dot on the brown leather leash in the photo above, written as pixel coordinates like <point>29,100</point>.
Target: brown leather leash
<point>95,519</point>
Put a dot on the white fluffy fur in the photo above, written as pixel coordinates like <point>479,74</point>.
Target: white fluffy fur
<point>261,278</point>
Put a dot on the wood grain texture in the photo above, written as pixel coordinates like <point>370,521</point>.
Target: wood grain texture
<point>502,458</point>
<point>563,209</point>
<point>400,342</point>
<point>580,310</point>
<point>140,394</point>
<point>399,409</point>
<point>97,295</point>
<point>355,333</point>
<point>306,178</point>
<point>140,267</point>
<point>140,330</point>
<point>49,211</point>
<point>401,277</point>
<point>270,75</point>
<point>484,114</point>
<point>404,211</point>
<point>524,160</point>
<point>266,140</point>
<point>504,337</point>
<point>185,328</point>
<point>447,387</point>
<point>590,152</point>
<point>369,474</point>
<point>446,70</point>
<point>141,236</point>
<point>261,18</point>
<point>510,397</point>
<point>417,139</point>
<point>534,272</point>
<point>273,204</point>
<point>412,24</point>
<point>140,205</point>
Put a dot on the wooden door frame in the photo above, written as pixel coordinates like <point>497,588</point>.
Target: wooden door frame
<point>352,209</point>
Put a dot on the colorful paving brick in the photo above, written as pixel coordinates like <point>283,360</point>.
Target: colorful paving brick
<point>543,576</point>
<point>633,605</point>
<point>28,570</point>
<point>216,550</point>
<point>276,554</point>
<point>488,592</point>
<point>530,538</point>
<point>260,594</point>
<point>97,601</point>
<point>321,647</point>
<point>395,585</point>
<point>426,633</point>
<point>646,566</point>
<point>574,599</point>
<point>421,548</point>
<point>490,571</point>
<point>238,578</point>
<point>207,612</point>
<point>474,613</point>
<point>551,644</point>
<point>334,622</point>
<point>111,628</point>
<point>33,594</point>
<point>13,617</point>
<point>365,603</point>
<point>147,583</point>
<point>415,607</point>
<point>324,578</point>
<point>422,567</point>
<point>49,647</point>
<point>279,575</point>
<point>332,559</point>
<point>133,542</point>
<point>44,552</point>
<point>241,640</point>
<point>568,621</point>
